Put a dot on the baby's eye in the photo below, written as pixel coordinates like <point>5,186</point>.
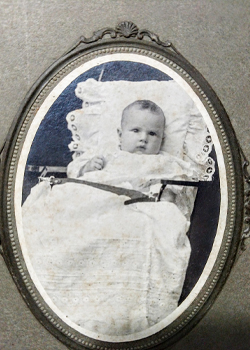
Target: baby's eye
<point>135,130</point>
<point>152,133</point>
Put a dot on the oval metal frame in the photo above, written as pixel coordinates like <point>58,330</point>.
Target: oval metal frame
<point>125,38</point>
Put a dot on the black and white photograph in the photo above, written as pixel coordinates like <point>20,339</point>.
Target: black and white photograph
<point>111,240</point>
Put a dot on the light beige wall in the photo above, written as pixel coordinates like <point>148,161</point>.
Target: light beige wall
<point>214,36</point>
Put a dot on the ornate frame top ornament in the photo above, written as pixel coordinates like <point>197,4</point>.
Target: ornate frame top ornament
<point>127,30</point>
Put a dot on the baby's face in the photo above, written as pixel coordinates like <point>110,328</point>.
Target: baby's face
<point>142,131</point>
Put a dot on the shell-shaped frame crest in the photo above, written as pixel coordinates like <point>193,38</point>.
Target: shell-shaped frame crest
<point>127,29</point>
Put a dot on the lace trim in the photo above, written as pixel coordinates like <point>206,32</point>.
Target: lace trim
<point>87,132</point>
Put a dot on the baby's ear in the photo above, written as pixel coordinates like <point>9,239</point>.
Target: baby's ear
<point>119,132</point>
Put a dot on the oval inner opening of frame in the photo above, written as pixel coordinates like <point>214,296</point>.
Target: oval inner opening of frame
<point>103,83</point>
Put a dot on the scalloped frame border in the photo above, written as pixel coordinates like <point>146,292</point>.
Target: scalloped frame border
<point>11,249</point>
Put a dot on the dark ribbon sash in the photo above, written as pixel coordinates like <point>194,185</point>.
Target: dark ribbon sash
<point>135,196</point>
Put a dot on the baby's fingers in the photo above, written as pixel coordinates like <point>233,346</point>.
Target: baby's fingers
<point>100,161</point>
<point>98,164</point>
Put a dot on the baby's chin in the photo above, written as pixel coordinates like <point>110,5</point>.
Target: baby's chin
<point>140,150</point>
<point>143,151</point>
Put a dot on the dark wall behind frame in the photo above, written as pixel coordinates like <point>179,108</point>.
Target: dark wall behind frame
<point>214,37</point>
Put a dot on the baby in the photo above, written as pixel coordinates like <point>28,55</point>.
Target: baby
<point>135,256</point>
<point>141,132</point>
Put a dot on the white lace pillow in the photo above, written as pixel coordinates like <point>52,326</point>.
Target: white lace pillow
<point>94,127</point>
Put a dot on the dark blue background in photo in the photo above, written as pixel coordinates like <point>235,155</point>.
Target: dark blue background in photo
<point>50,148</point>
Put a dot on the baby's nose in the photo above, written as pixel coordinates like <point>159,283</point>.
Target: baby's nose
<point>143,137</point>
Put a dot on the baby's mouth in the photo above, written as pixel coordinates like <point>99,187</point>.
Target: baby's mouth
<point>141,149</point>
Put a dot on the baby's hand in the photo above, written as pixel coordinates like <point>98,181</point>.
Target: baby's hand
<point>96,163</point>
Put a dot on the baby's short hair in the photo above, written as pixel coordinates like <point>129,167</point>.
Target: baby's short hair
<point>143,104</point>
